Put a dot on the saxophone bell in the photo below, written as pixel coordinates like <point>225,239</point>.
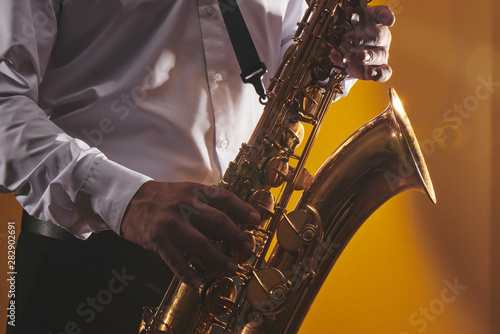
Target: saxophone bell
<point>380,160</point>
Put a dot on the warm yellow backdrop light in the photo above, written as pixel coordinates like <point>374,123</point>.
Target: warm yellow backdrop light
<point>414,267</point>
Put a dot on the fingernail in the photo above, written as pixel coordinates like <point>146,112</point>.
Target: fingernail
<point>368,56</point>
<point>254,217</point>
<point>373,73</point>
<point>231,267</point>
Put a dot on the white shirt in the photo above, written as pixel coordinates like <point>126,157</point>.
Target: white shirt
<point>110,94</point>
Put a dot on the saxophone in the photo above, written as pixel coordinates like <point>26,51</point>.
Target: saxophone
<point>273,290</point>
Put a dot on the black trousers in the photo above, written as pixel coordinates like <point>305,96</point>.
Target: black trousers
<point>94,287</point>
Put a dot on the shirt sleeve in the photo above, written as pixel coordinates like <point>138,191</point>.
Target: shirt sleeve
<point>295,10</point>
<point>54,177</point>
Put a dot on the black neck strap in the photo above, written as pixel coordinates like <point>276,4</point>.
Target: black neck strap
<point>252,68</point>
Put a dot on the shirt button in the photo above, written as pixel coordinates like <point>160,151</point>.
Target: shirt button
<point>210,10</point>
<point>223,143</point>
<point>218,77</point>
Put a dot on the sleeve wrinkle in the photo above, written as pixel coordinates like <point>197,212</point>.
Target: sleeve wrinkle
<point>87,179</point>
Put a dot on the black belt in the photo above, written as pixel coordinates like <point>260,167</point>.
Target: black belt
<point>105,241</point>
<point>40,227</point>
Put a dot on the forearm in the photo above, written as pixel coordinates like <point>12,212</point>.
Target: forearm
<point>54,177</point>
<point>58,178</point>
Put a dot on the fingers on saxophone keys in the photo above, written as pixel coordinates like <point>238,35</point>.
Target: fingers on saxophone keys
<point>218,216</point>
<point>369,64</point>
<point>372,35</point>
<point>216,225</point>
<point>374,56</point>
<point>380,14</point>
<point>193,243</point>
<point>380,73</point>
<point>228,202</point>
<point>202,248</point>
<point>176,261</point>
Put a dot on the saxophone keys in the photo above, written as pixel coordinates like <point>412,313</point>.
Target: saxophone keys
<point>147,318</point>
<point>243,258</point>
<point>263,201</point>
<point>267,291</point>
<point>275,171</point>
<point>292,136</point>
<point>304,179</point>
<point>355,19</point>
<point>219,296</point>
<point>322,68</point>
<point>312,97</point>
<point>363,4</point>
<point>297,229</point>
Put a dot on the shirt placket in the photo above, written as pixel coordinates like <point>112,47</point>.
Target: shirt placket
<point>219,58</point>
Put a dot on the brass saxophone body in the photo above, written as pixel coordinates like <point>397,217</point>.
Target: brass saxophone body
<point>378,161</point>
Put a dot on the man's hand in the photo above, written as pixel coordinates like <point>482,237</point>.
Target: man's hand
<point>367,47</point>
<point>169,217</point>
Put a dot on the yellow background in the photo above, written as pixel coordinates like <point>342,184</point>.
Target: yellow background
<point>392,275</point>
<point>397,265</point>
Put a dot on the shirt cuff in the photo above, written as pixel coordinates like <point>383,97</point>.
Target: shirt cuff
<point>346,85</point>
<point>111,186</point>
